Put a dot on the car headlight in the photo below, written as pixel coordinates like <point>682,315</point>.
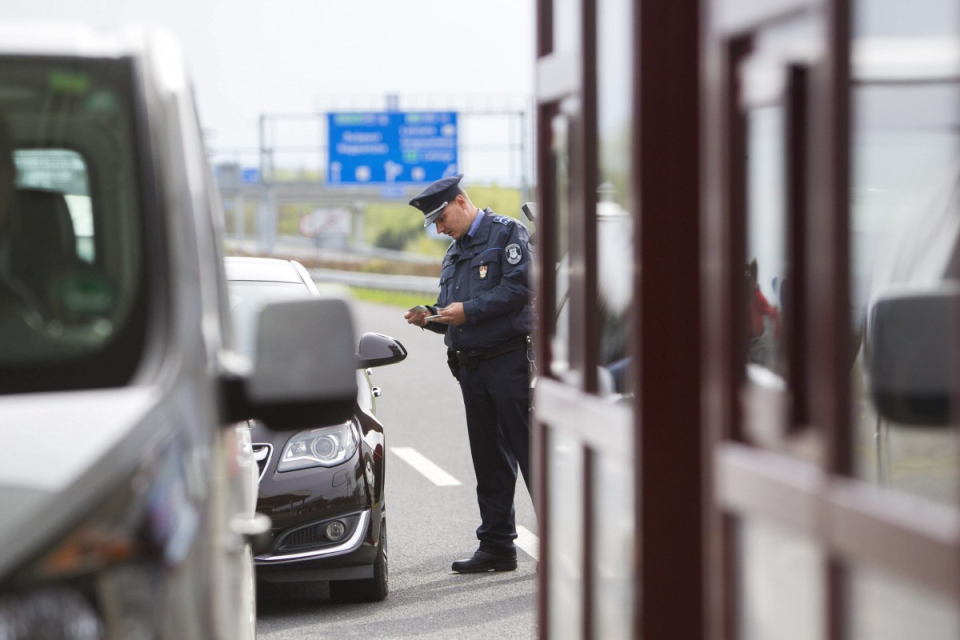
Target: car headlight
<point>325,447</point>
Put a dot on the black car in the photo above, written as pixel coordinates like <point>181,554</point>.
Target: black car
<point>322,487</point>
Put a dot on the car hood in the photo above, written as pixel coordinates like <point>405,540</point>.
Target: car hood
<point>61,451</point>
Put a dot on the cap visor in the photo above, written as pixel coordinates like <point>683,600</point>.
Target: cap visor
<point>431,217</point>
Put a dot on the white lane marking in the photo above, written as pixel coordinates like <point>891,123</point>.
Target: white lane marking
<point>428,469</point>
<point>528,542</point>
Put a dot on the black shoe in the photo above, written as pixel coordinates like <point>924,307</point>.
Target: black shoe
<point>482,562</point>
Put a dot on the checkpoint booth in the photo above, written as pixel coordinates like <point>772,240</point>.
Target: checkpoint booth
<point>748,229</point>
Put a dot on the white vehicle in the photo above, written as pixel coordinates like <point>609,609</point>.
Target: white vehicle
<point>127,487</point>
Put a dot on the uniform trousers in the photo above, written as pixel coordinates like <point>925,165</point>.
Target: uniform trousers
<point>496,396</point>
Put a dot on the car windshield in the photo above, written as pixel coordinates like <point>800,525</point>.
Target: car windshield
<point>72,298</point>
<point>246,300</point>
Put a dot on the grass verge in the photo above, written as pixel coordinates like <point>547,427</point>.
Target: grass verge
<point>394,298</point>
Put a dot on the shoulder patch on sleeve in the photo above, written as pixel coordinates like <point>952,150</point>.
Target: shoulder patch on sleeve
<point>514,255</point>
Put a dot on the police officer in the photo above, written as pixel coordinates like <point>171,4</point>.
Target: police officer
<point>485,313</point>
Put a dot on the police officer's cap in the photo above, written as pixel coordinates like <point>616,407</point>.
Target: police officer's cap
<point>436,196</point>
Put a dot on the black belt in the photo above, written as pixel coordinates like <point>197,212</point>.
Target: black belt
<point>472,357</point>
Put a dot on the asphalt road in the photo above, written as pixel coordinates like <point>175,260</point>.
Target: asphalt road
<point>430,525</point>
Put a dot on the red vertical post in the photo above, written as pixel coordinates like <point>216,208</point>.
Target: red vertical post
<point>669,490</point>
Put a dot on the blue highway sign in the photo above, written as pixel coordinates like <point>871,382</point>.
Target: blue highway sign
<point>391,147</point>
<point>250,176</point>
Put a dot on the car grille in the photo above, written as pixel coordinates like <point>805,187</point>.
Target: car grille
<point>261,453</point>
<point>304,537</point>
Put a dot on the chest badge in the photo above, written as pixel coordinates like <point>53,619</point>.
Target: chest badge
<point>483,271</point>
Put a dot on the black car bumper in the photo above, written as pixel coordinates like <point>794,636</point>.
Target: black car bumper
<point>351,559</point>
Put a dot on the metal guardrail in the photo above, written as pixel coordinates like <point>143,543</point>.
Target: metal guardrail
<point>385,282</point>
<point>425,285</point>
<point>299,247</point>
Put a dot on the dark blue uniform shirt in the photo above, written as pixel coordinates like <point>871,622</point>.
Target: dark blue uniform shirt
<point>489,273</point>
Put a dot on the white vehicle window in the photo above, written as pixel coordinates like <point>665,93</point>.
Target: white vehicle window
<point>247,298</point>
<point>62,171</point>
<point>72,292</point>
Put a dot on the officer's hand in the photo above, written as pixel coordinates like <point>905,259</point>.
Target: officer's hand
<point>452,314</point>
<point>418,318</point>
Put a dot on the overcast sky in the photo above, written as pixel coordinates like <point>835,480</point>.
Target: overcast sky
<point>248,57</point>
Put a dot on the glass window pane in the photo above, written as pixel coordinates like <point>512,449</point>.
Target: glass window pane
<point>613,540</point>
<point>904,232</point>
<point>766,259</point>
<point>565,491</point>
<point>71,258</point>
<point>566,26</point>
<point>781,579</point>
<point>776,148</point>
<point>65,172</point>
<point>884,607</point>
<point>247,299</point>
<point>924,18</point>
<point>614,207</point>
<point>560,155</point>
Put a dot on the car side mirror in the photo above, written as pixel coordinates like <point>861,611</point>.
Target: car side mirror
<point>912,345</point>
<point>377,350</point>
<point>304,373</point>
